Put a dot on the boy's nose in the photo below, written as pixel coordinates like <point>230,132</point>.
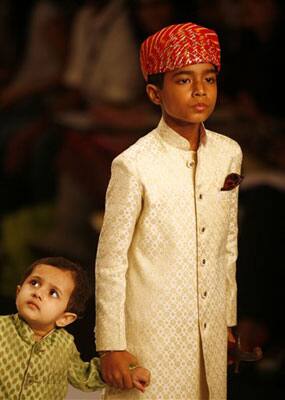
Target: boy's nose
<point>198,89</point>
<point>37,295</point>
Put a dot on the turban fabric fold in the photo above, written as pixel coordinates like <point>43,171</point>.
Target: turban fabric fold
<point>179,45</point>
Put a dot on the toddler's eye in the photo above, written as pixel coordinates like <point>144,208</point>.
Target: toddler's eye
<point>35,283</point>
<point>54,293</point>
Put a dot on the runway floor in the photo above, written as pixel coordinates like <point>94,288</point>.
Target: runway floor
<point>74,394</point>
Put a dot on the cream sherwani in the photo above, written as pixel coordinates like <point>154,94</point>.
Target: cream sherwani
<point>165,270</point>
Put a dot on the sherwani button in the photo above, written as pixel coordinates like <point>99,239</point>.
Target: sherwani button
<point>203,229</point>
<point>204,261</point>
<point>190,164</point>
<point>29,380</point>
<point>37,349</point>
<point>135,213</point>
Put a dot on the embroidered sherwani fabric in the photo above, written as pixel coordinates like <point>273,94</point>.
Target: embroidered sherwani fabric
<point>31,370</point>
<point>165,270</point>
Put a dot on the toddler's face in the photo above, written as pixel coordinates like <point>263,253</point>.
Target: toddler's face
<point>43,297</point>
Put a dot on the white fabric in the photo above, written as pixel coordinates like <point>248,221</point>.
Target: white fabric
<point>155,293</point>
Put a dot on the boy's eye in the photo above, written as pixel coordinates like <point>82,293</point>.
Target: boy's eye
<point>211,79</point>
<point>183,81</point>
<point>35,283</point>
<point>54,293</point>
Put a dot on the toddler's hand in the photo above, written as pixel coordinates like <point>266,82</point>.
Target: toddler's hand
<point>140,378</point>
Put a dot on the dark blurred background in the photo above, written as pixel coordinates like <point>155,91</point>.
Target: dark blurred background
<point>72,97</point>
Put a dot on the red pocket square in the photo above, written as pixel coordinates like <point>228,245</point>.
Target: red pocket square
<point>232,181</point>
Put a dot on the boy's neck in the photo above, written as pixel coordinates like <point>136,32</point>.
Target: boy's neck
<point>38,337</point>
<point>191,132</point>
<point>192,137</point>
<point>39,334</point>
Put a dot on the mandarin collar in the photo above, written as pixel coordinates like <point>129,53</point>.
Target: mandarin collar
<point>175,139</point>
<point>26,333</point>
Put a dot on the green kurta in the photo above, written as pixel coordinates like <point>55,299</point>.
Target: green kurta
<point>31,370</point>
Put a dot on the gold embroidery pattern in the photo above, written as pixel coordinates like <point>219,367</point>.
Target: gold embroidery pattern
<point>165,271</point>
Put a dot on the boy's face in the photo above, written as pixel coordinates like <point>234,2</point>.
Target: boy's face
<point>43,297</point>
<point>188,95</point>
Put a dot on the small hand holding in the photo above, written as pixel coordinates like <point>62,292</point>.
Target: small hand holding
<point>140,378</point>
<point>115,368</point>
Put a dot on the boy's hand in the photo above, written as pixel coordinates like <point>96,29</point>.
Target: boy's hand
<point>141,378</point>
<point>231,346</point>
<point>231,336</point>
<point>115,368</point>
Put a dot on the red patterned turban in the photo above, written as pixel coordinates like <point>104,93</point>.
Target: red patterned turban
<point>176,46</point>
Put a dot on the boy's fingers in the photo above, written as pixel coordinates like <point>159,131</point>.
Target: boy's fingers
<point>121,379</point>
<point>127,381</point>
<point>146,382</point>
<point>231,337</point>
<point>106,376</point>
<point>113,378</point>
<point>117,380</point>
<point>139,385</point>
<point>114,367</point>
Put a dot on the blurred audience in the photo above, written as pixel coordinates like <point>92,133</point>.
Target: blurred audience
<point>44,56</point>
<point>25,99</point>
<point>14,16</point>
<point>250,109</point>
<point>250,103</point>
<point>88,104</point>
<point>104,70</point>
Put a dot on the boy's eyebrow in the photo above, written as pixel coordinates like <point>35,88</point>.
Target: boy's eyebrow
<point>40,279</point>
<point>35,277</point>
<point>189,72</point>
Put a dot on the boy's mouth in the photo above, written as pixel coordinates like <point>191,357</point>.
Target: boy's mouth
<point>200,107</point>
<point>33,305</point>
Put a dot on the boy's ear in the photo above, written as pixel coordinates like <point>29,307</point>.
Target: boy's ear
<point>153,93</point>
<point>65,319</point>
<point>18,290</point>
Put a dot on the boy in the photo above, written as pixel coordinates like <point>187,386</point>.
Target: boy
<point>165,271</point>
<point>38,357</point>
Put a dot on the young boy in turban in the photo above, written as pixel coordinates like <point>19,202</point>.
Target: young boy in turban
<point>165,271</point>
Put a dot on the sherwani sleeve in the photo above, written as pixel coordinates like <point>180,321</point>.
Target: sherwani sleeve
<point>123,205</point>
<point>232,247</point>
<point>82,374</point>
